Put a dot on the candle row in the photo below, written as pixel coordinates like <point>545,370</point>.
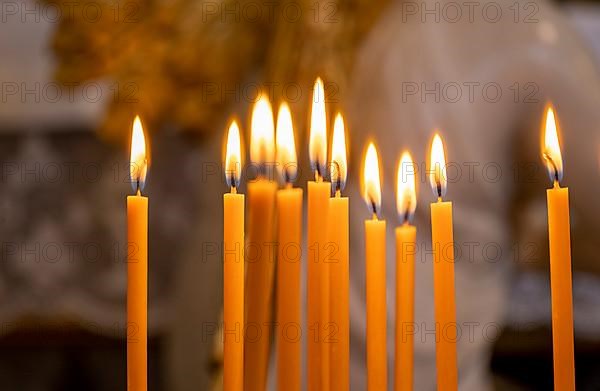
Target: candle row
<point>248,291</point>
<point>327,223</point>
<point>328,258</point>
<point>442,239</point>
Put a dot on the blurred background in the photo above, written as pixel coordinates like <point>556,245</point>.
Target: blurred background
<point>74,73</point>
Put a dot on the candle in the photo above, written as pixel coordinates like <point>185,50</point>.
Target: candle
<point>260,251</point>
<point>317,270</point>
<point>375,276</point>
<point>560,259</point>
<point>442,239</point>
<point>137,265</point>
<point>406,233</point>
<point>233,267</point>
<point>289,216</point>
<point>338,243</point>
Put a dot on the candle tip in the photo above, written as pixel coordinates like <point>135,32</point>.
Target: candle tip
<point>437,166</point>
<point>551,145</point>
<point>406,194</point>
<point>138,162</point>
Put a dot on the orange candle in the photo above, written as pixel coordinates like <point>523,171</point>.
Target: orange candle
<point>260,250</point>
<point>137,265</point>
<point>339,263</point>
<point>317,270</point>
<point>233,268</point>
<point>560,260</point>
<point>406,234</point>
<point>375,277</point>
<point>289,216</point>
<point>442,239</point>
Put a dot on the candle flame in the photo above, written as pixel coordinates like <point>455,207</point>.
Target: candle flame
<point>551,147</point>
<point>339,166</point>
<point>286,146</point>
<point>406,196</point>
<point>138,163</point>
<point>262,134</point>
<point>437,167</point>
<point>233,156</point>
<point>318,130</point>
<point>372,185</point>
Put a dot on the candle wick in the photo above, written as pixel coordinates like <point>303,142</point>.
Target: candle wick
<point>338,179</point>
<point>374,209</point>
<point>232,179</point>
<point>233,189</point>
<point>287,178</point>
<point>319,172</point>
<point>338,193</point>
<point>554,168</point>
<point>439,189</point>
<point>407,214</point>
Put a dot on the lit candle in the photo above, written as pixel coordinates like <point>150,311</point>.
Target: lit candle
<point>319,192</point>
<point>233,267</point>
<point>560,259</point>
<point>406,233</point>
<point>289,216</point>
<point>338,241</point>
<point>375,276</point>
<point>442,239</point>
<point>260,251</point>
<point>137,265</point>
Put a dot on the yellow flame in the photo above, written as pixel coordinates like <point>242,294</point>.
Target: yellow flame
<point>437,167</point>
<point>339,166</point>
<point>372,184</point>
<point>233,156</point>
<point>551,147</point>
<point>262,132</point>
<point>138,166</point>
<point>286,146</point>
<point>406,195</point>
<point>317,147</point>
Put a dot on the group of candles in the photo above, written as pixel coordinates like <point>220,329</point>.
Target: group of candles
<point>250,271</point>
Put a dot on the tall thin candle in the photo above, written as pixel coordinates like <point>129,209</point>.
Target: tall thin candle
<point>559,233</point>
<point>233,267</point>
<point>442,240</point>
<point>289,216</point>
<point>375,276</point>
<point>260,250</point>
<point>317,299</point>
<point>137,265</point>
<point>338,238</point>
<point>406,203</point>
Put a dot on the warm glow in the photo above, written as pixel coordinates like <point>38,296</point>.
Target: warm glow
<point>138,163</point>
<point>339,167</point>
<point>406,196</point>
<point>233,156</point>
<point>372,185</point>
<point>437,167</point>
<point>287,163</point>
<point>317,148</point>
<point>551,146</point>
<point>262,145</point>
